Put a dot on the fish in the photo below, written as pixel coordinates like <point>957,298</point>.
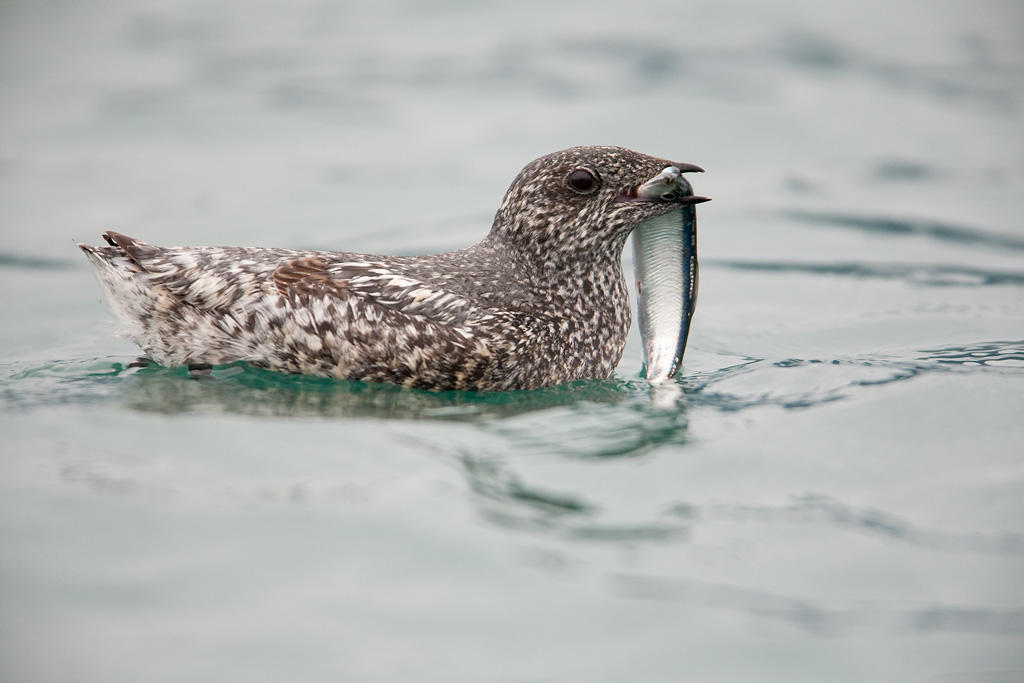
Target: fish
<point>666,270</point>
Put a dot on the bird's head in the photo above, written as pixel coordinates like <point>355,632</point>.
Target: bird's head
<point>581,203</point>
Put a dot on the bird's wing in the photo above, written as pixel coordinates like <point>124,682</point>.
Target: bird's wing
<point>233,277</point>
<point>374,284</point>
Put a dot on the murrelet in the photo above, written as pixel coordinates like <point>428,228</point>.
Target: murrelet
<point>539,301</point>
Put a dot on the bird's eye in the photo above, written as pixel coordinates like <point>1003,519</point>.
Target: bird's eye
<point>583,180</point>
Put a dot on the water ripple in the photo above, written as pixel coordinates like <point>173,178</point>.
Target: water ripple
<point>987,354</point>
<point>827,617</point>
<point>8,260</point>
<point>818,509</point>
<point>1004,357</point>
<point>931,275</point>
<point>891,169</point>
<point>600,418</point>
<point>985,80</point>
<point>937,230</point>
<point>609,60</point>
<point>240,389</point>
<point>505,499</point>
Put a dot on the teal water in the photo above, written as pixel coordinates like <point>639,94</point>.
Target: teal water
<point>834,490</point>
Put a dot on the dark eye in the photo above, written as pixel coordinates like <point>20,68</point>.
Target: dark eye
<point>583,181</point>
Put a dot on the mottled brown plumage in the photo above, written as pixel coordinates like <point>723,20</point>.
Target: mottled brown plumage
<point>539,301</point>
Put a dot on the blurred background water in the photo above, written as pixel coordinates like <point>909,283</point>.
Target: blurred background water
<point>834,491</point>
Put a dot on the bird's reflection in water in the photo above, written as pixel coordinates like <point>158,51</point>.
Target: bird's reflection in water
<point>239,389</point>
<point>511,493</point>
<point>502,434</point>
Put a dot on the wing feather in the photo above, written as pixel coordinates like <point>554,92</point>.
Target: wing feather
<point>221,278</point>
<point>375,285</point>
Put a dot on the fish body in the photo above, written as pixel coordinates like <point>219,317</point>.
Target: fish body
<point>665,265</point>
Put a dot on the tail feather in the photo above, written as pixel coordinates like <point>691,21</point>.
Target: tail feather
<point>165,307</point>
<point>126,296</point>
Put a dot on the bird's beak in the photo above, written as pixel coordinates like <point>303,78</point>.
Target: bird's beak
<point>687,168</point>
<point>667,186</point>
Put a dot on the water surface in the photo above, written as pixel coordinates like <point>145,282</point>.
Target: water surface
<point>833,490</point>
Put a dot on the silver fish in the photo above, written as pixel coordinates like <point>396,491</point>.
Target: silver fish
<point>665,265</point>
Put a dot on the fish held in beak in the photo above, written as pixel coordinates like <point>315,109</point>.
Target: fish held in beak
<point>665,265</point>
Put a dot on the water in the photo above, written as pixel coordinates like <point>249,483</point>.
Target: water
<point>833,491</point>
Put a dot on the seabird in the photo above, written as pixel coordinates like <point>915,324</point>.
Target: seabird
<point>539,301</point>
